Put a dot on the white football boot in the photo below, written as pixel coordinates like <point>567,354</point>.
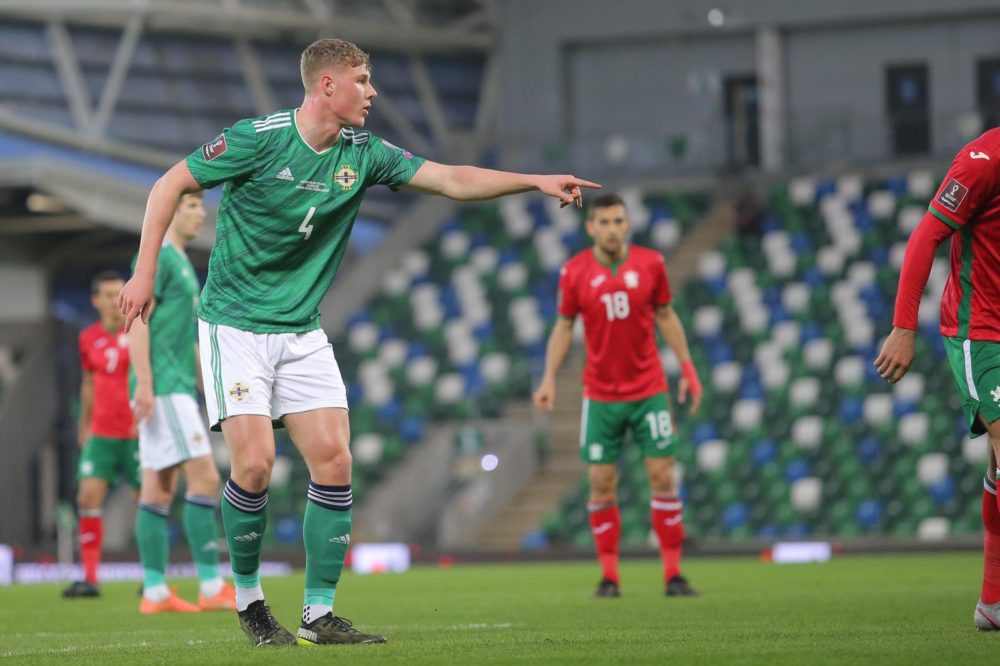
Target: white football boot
<point>987,617</point>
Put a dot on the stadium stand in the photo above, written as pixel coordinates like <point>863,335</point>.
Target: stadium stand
<point>189,87</point>
<point>459,328</point>
<point>798,435</point>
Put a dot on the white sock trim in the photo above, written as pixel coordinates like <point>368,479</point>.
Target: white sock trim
<point>247,595</point>
<point>311,612</point>
<point>156,593</point>
<point>210,588</point>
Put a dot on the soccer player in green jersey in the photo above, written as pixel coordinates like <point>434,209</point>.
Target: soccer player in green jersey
<point>172,437</point>
<point>293,183</point>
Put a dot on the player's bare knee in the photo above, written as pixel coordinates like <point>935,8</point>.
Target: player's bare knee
<point>662,482</point>
<point>202,476</point>
<point>331,465</point>
<point>603,484</point>
<point>89,500</point>
<point>253,475</point>
<point>993,432</point>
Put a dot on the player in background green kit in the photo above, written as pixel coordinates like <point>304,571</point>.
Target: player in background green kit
<point>172,437</point>
<point>293,183</point>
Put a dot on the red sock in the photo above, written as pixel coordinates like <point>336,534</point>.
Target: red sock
<point>91,535</point>
<point>606,526</point>
<point>991,548</point>
<point>669,528</point>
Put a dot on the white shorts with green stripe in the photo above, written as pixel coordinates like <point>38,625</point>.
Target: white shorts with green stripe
<point>174,433</point>
<point>268,374</point>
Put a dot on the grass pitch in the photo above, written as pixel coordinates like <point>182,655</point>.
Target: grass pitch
<point>859,609</point>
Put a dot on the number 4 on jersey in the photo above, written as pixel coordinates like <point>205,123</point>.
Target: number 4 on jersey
<point>305,227</point>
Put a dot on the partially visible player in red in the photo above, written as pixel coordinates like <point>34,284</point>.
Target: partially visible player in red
<point>622,292</point>
<point>966,209</point>
<point>106,434</point>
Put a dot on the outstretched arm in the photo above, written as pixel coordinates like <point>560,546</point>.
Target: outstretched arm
<point>469,183</point>
<point>138,351</point>
<point>560,339</point>
<point>672,330</point>
<point>137,294</point>
<point>897,353</point>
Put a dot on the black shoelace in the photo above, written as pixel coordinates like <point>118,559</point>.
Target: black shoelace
<point>262,622</point>
<point>343,624</point>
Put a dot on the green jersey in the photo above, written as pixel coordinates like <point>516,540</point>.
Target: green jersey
<point>173,328</point>
<point>285,217</point>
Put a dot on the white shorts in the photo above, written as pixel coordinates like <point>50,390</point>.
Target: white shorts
<point>174,434</point>
<point>269,374</point>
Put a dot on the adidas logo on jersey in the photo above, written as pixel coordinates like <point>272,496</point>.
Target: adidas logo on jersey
<point>345,539</point>
<point>285,174</point>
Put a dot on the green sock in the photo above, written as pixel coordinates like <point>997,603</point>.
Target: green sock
<point>154,545</point>
<point>244,516</point>
<point>202,536</point>
<point>326,530</point>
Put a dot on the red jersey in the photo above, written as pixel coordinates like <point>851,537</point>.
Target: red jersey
<point>618,306</point>
<point>105,355</point>
<point>969,202</point>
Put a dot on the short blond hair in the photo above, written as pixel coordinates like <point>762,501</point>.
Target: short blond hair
<point>329,53</point>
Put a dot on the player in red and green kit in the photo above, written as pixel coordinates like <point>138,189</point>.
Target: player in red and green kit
<point>967,210</point>
<point>293,183</point>
<point>622,292</point>
<point>107,434</point>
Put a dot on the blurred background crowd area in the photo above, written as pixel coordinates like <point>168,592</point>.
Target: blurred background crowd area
<point>778,154</point>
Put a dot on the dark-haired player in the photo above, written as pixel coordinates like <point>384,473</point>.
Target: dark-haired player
<point>622,293</point>
<point>107,435</point>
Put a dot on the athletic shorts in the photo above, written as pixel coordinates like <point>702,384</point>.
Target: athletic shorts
<point>603,426</point>
<point>174,434</point>
<point>976,366</point>
<point>110,458</point>
<point>269,374</point>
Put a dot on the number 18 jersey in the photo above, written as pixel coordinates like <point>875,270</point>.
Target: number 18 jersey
<point>285,217</point>
<point>618,304</point>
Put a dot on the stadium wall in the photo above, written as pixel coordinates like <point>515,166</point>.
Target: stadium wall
<point>642,67</point>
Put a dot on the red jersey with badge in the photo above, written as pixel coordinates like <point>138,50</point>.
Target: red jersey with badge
<point>969,202</point>
<point>618,305</point>
<point>105,355</point>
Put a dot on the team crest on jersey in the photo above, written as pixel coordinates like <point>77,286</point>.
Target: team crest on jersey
<point>345,176</point>
<point>214,148</point>
<point>631,280</point>
<point>239,392</point>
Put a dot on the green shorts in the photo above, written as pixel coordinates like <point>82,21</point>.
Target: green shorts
<point>108,458</point>
<point>603,426</point>
<point>976,366</point>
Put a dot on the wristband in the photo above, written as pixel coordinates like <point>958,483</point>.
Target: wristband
<point>689,373</point>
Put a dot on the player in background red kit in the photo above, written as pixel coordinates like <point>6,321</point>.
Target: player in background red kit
<point>621,290</point>
<point>966,209</point>
<point>107,434</point>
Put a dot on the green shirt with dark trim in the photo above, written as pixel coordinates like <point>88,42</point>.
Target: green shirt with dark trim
<point>173,327</point>
<point>285,218</point>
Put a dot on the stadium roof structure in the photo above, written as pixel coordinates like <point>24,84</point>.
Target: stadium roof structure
<point>74,92</point>
<point>411,26</point>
